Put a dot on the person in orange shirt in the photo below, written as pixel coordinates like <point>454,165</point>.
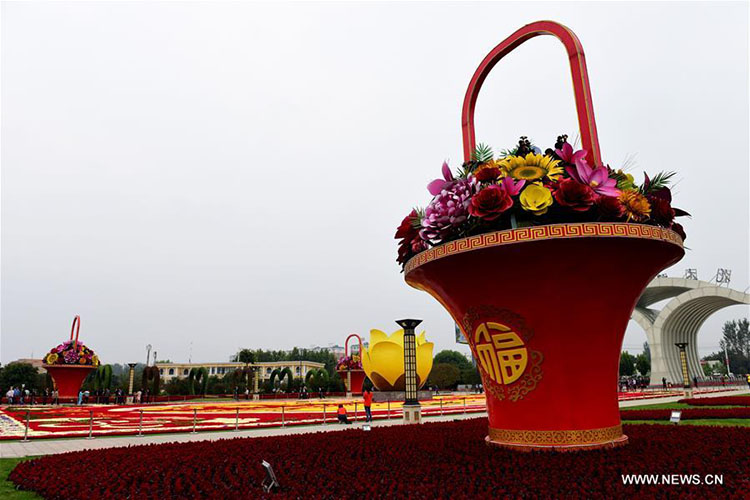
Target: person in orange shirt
<point>367,397</point>
<point>342,415</point>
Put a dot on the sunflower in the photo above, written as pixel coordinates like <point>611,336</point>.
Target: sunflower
<point>636,205</point>
<point>536,199</point>
<point>531,167</point>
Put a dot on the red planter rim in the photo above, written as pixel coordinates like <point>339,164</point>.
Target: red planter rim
<point>544,232</point>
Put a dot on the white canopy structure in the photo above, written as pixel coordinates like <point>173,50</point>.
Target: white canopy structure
<point>693,301</point>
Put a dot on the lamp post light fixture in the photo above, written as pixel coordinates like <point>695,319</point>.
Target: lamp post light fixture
<point>412,409</point>
<point>684,366</point>
<point>130,378</point>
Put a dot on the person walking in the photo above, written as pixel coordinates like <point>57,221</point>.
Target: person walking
<point>748,380</point>
<point>9,395</point>
<point>342,415</point>
<point>55,397</point>
<point>367,397</point>
<point>664,383</point>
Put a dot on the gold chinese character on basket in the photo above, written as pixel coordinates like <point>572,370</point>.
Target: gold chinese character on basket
<point>501,352</point>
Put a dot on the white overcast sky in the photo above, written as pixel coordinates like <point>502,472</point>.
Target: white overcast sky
<point>232,174</point>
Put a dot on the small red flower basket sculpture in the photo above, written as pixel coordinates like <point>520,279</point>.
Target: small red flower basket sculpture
<point>350,369</point>
<point>69,363</point>
<point>547,335</point>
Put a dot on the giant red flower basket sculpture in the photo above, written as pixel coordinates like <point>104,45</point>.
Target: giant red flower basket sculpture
<point>544,305</point>
<point>69,363</point>
<point>350,368</point>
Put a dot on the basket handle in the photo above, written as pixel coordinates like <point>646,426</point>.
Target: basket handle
<point>584,105</point>
<point>346,344</point>
<point>76,322</point>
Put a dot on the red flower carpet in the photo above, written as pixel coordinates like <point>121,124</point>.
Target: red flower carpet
<point>433,460</point>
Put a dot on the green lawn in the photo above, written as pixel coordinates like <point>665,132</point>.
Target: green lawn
<point>671,406</point>
<point>8,490</point>
<point>718,422</point>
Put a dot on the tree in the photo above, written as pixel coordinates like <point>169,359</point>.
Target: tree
<point>246,356</point>
<point>444,375</point>
<point>103,377</point>
<point>198,380</point>
<point>454,358</point>
<point>627,364</point>
<point>643,364</point>
<point>736,343</point>
<point>19,374</point>
<point>470,376</point>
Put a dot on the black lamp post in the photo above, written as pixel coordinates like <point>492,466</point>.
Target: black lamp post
<point>412,410</point>
<point>684,367</point>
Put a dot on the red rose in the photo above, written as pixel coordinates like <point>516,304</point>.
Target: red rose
<point>661,211</point>
<point>574,195</point>
<point>490,202</point>
<point>410,243</point>
<point>610,207</point>
<point>487,173</point>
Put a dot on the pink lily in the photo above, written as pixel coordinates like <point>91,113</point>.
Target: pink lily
<point>436,186</point>
<point>567,154</point>
<point>511,187</point>
<point>596,178</point>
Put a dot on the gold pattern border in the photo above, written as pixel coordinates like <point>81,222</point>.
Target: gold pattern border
<point>546,232</point>
<point>557,437</point>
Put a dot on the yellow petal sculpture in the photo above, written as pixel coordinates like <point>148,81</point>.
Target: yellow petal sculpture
<point>383,361</point>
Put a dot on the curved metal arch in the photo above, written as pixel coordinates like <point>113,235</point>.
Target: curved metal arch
<point>680,320</point>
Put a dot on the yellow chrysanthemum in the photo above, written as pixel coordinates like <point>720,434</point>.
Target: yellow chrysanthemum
<point>636,205</point>
<point>536,199</point>
<point>531,167</point>
<point>51,358</point>
<point>95,360</point>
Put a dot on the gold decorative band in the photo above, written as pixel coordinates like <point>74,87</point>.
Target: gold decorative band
<point>546,232</point>
<point>556,438</point>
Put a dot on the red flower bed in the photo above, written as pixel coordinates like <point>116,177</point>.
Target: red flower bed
<point>718,401</point>
<point>689,413</point>
<point>434,460</point>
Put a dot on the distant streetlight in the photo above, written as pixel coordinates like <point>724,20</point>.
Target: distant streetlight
<point>131,375</point>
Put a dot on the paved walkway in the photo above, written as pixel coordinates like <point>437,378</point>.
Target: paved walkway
<point>10,449</point>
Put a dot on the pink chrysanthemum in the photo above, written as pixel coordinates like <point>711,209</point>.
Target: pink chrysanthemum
<point>448,210</point>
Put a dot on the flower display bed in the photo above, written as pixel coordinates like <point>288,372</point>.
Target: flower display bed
<point>687,414</point>
<point>110,420</point>
<point>434,460</point>
<point>718,401</point>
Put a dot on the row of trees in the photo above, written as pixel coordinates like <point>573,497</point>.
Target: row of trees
<point>451,368</point>
<point>636,365</point>
<point>735,343</point>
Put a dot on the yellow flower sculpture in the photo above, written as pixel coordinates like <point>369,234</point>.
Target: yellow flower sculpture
<point>383,361</point>
<point>536,199</point>
<point>531,167</point>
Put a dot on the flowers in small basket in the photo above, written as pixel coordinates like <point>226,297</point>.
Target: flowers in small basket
<point>523,187</point>
<point>71,352</point>
<point>353,362</point>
